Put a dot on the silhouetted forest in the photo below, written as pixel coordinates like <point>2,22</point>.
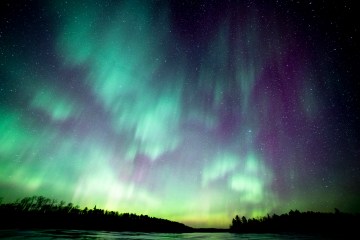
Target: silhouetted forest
<point>299,222</point>
<point>42,212</point>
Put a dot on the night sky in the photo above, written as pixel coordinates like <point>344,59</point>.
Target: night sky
<point>193,111</point>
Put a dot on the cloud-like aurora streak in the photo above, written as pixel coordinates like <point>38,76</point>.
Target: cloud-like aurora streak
<point>129,114</point>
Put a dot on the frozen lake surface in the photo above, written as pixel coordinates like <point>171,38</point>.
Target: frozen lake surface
<point>85,234</point>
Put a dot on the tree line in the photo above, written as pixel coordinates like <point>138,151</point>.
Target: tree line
<point>46,213</point>
<point>299,222</point>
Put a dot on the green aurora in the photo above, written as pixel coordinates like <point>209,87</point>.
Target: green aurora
<point>127,106</point>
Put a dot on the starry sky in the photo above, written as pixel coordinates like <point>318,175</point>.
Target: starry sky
<point>193,111</point>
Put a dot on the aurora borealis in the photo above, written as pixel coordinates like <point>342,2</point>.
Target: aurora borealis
<point>193,111</point>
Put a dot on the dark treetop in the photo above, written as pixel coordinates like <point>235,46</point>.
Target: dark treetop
<point>299,222</point>
<point>42,212</point>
